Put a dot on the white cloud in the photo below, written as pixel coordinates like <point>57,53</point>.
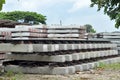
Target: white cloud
<point>29,5</point>
<point>35,5</point>
<point>78,4</point>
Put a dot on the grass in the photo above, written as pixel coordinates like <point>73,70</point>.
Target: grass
<point>9,75</point>
<point>114,66</point>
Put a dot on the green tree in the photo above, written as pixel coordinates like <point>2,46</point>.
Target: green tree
<point>26,16</point>
<point>1,4</point>
<point>89,29</point>
<point>110,7</point>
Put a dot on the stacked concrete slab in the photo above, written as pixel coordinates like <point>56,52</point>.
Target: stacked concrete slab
<point>114,37</point>
<point>59,31</point>
<point>57,56</point>
<point>30,50</point>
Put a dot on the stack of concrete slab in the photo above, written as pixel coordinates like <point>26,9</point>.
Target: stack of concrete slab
<point>41,31</point>
<point>57,56</point>
<point>60,31</point>
<point>114,37</point>
<point>28,33</point>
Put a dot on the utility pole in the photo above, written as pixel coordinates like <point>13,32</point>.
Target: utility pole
<point>60,23</point>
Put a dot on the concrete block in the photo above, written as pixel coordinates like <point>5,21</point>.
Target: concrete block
<point>79,45</point>
<point>89,46</point>
<point>87,55</point>
<point>78,68</point>
<point>93,45</point>
<point>62,47</point>
<point>73,46</point>
<point>71,69</point>
<point>95,54</point>
<point>69,46</point>
<point>60,70</point>
<point>51,47</point>
<point>92,54</point>
<point>41,47</point>
<point>82,46</point>
<point>68,58</point>
<point>91,65</point>
<point>85,46</point>
<point>56,47</point>
<point>85,66</point>
<point>76,46</point>
<point>75,56</point>
<point>82,56</point>
<point>65,47</point>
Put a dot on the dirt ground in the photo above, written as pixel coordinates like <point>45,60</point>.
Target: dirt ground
<point>86,75</point>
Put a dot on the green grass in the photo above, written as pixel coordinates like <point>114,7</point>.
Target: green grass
<point>9,75</point>
<point>114,66</point>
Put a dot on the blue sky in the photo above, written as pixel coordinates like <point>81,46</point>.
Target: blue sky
<point>69,11</point>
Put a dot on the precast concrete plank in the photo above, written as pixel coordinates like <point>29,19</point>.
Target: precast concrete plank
<point>112,37</point>
<point>111,34</point>
<point>33,57</point>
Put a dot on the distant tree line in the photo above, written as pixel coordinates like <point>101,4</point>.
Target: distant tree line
<point>24,17</point>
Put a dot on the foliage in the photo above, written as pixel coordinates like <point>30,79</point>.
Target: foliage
<point>26,17</point>
<point>111,8</point>
<point>1,4</point>
<point>89,29</point>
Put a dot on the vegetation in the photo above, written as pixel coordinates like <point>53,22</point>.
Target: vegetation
<point>110,7</point>
<point>114,66</point>
<point>89,29</point>
<point>25,17</point>
<point>12,76</point>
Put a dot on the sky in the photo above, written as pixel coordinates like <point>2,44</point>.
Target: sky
<point>69,12</point>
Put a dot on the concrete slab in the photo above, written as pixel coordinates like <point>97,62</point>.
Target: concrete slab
<point>33,57</point>
<point>60,70</point>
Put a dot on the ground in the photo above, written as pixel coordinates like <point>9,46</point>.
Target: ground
<point>86,75</point>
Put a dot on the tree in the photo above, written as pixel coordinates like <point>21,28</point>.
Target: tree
<point>1,4</point>
<point>26,17</point>
<point>89,28</point>
<point>110,7</point>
